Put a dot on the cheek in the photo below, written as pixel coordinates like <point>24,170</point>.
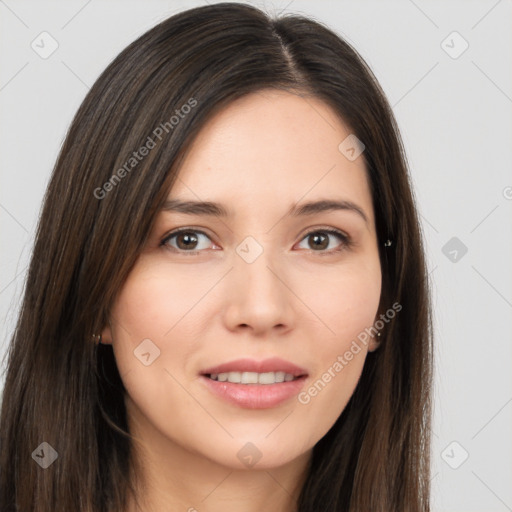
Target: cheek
<point>346,301</point>
<point>154,307</point>
<point>348,306</point>
<point>153,338</point>
<point>153,301</point>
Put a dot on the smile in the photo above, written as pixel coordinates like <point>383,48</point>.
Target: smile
<point>253,377</point>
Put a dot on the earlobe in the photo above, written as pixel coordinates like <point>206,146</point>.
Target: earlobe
<point>375,343</point>
<point>106,336</point>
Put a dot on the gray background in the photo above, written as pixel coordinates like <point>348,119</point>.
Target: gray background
<point>455,119</point>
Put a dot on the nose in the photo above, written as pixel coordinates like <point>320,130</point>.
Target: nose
<point>259,298</point>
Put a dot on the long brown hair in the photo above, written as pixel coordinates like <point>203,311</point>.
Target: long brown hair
<point>63,389</point>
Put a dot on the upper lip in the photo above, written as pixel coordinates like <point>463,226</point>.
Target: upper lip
<point>274,364</point>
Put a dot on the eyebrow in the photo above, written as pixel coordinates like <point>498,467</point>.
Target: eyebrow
<point>218,210</point>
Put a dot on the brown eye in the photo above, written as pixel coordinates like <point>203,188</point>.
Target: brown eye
<point>185,240</point>
<point>320,239</point>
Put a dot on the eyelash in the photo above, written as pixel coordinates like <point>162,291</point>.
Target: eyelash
<point>346,241</point>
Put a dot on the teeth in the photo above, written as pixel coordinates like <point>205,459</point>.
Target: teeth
<point>234,376</point>
<point>248,378</point>
<point>267,378</point>
<point>252,377</point>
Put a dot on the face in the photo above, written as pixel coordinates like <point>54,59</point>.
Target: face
<point>267,294</point>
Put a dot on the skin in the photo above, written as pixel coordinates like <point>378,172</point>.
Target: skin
<point>257,157</point>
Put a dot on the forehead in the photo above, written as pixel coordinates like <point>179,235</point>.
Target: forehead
<point>272,148</point>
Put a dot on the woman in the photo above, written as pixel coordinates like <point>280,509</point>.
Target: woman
<point>285,361</point>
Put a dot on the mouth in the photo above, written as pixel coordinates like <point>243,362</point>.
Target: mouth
<point>253,377</point>
<point>255,384</point>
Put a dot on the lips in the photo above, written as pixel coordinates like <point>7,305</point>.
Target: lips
<point>252,384</point>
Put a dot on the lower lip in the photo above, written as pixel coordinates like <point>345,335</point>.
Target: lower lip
<point>255,396</point>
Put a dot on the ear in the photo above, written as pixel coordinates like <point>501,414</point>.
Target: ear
<point>106,335</point>
<point>374,343</point>
<point>376,338</point>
